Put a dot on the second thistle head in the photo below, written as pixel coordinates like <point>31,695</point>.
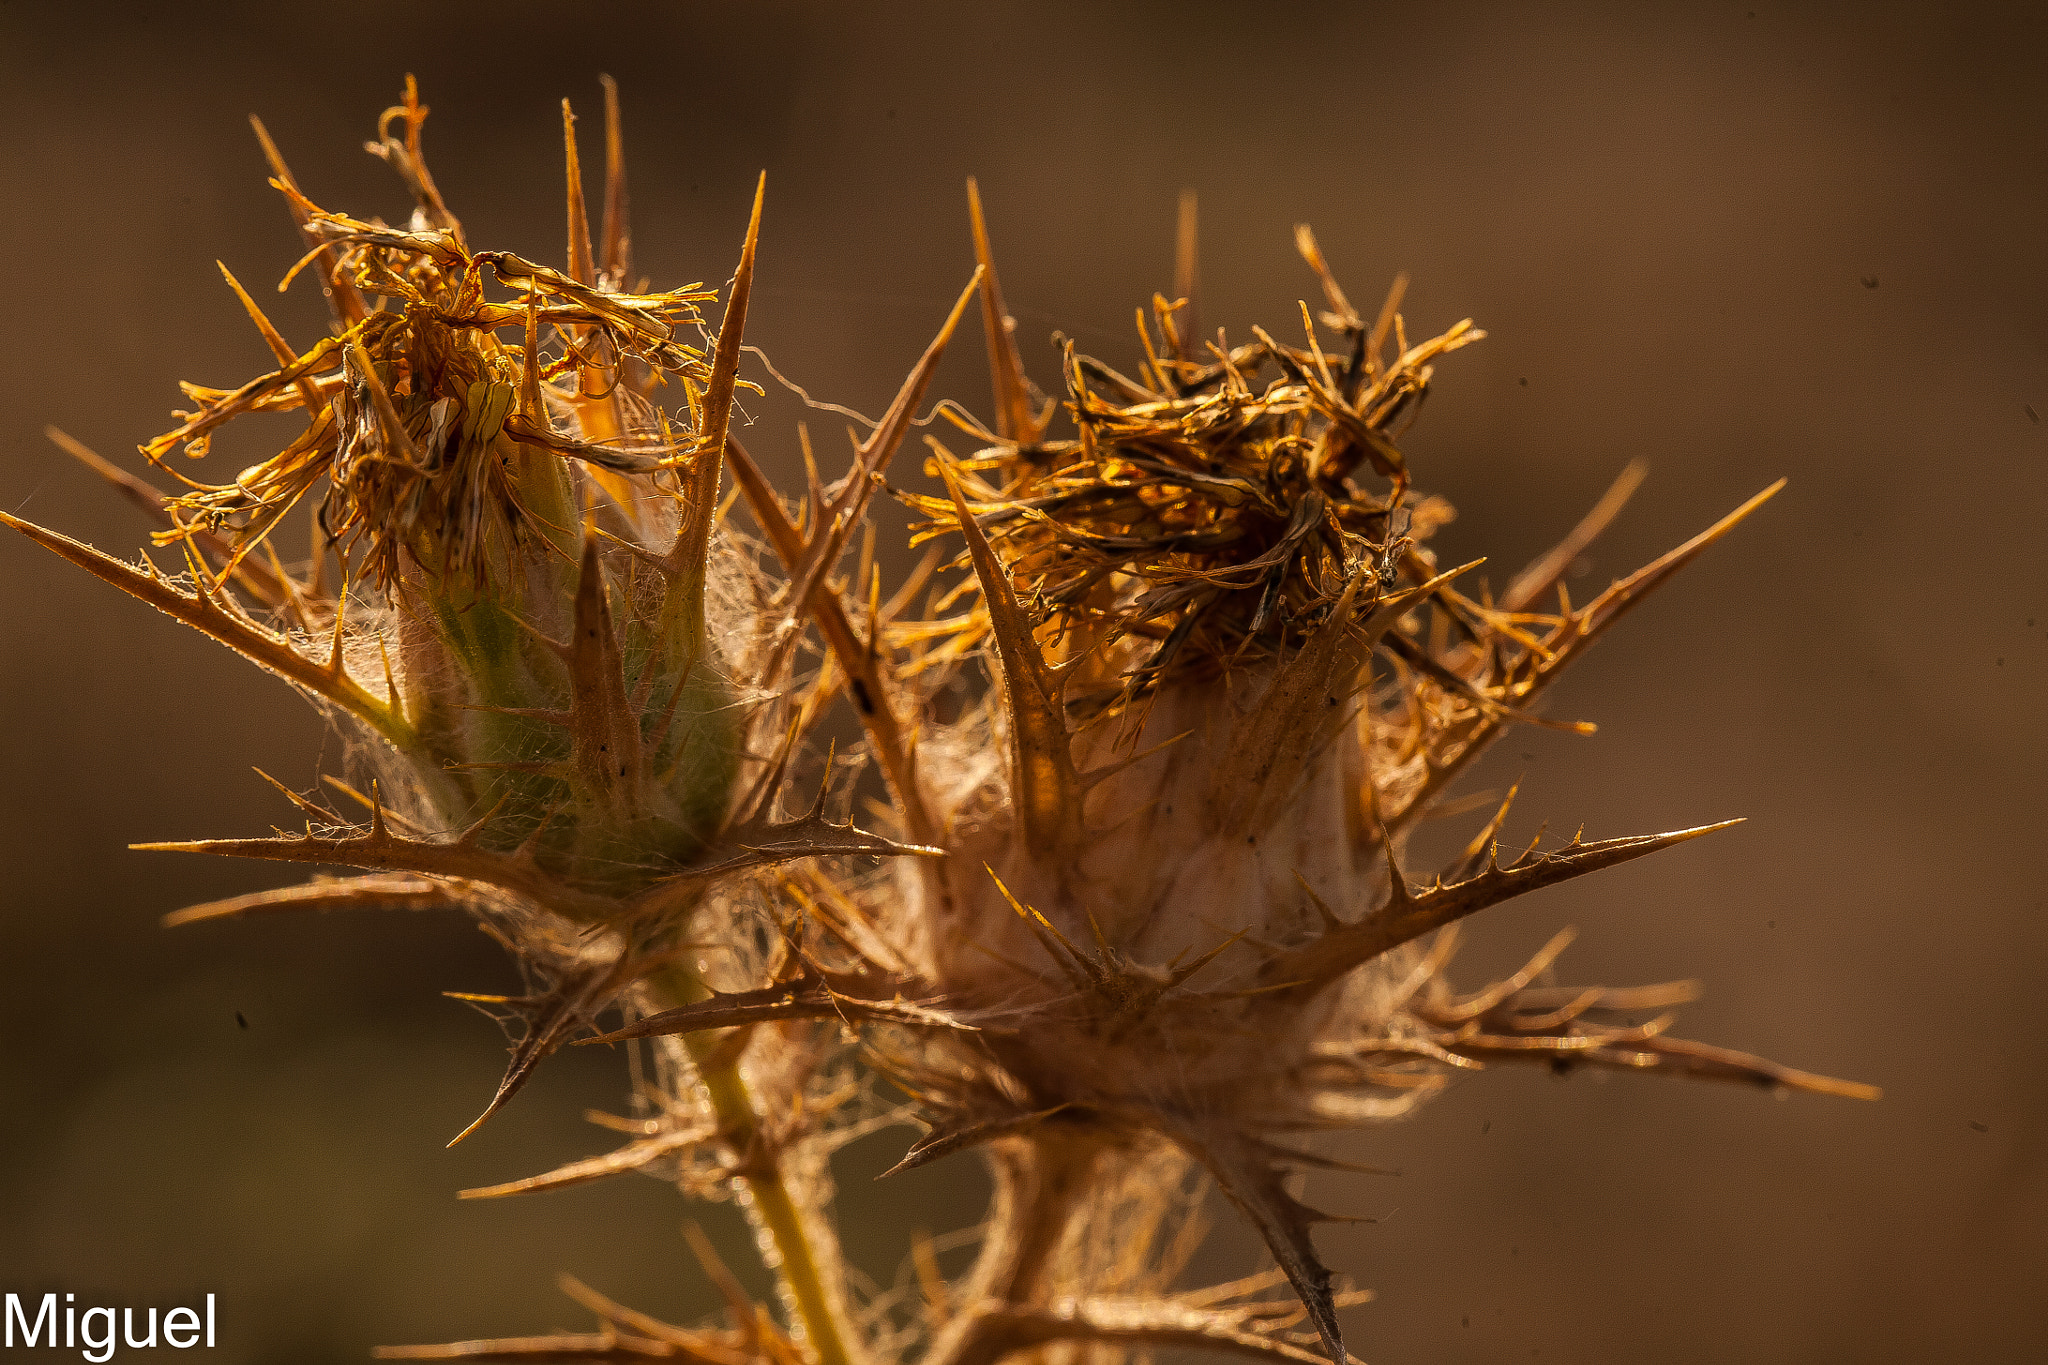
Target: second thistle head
<point>1230,679</point>
<point>1185,602</point>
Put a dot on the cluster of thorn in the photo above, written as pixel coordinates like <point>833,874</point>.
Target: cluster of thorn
<point>1230,508</point>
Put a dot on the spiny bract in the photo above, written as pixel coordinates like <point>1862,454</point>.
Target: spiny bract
<point>1142,913</point>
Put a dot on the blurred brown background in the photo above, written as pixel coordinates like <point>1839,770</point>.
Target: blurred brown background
<point>1741,240</point>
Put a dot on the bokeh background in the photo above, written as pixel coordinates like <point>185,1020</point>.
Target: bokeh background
<point>1738,240</point>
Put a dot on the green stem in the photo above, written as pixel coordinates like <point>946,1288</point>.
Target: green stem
<point>786,1221</point>
<point>778,1212</point>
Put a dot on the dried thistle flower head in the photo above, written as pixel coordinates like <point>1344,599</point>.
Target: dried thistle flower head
<point>1145,917</point>
<point>1233,677</point>
<point>485,455</point>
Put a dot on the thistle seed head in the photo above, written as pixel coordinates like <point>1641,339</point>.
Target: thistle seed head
<point>1231,676</point>
<point>503,458</point>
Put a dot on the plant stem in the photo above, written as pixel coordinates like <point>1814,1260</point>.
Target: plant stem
<point>788,1223</point>
<point>778,1212</point>
<point>1039,1181</point>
